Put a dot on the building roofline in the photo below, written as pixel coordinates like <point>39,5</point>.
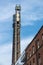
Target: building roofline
<point>34,37</point>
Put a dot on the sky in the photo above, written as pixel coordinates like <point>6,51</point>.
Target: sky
<point>31,22</point>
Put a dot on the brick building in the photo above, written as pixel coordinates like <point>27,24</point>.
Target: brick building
<point>34,51</point>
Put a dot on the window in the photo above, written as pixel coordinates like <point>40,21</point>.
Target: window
<point>33,60</point>
<point>38,44</point>
<point>27,55</point>
<point>27,64</point>
<point>30,53</point>
<point>33,49</point>
<point>39,59</point>
<point>38,55</point>
<point>42,36</point>
<point>30,62</point>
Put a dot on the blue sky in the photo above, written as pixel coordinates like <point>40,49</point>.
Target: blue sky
<point>31,22</point>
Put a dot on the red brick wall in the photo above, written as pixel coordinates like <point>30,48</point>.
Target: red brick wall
<point>37,50</point>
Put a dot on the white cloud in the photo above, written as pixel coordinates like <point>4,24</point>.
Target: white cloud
<point>25,23</point>
<point>5,54</point>
<point>25,42</point>
<point>32,10</point>
<point>7,11</point>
